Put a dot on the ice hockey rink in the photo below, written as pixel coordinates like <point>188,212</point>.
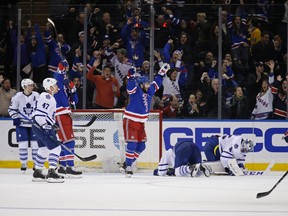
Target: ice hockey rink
<point>144,194</point>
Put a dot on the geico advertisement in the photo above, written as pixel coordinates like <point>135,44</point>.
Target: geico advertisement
<point>267,136</point>
<point>105,139</point>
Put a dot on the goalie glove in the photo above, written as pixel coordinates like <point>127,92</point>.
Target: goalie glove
<point>163,70</point>
<point>131,72</point>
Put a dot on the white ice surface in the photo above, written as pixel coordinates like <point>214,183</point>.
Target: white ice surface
<point>143,194</point>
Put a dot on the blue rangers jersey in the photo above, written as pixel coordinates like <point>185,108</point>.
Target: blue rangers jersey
<point>139,106</point>
<point>24,104</point>
<point>45,110</point>
<point>62,97</point>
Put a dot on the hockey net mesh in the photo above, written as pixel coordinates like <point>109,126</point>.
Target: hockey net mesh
<point>100,132</point>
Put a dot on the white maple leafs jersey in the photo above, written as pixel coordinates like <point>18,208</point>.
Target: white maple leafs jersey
<point>167,160</point>
<point>230,148</point>
<point>45,109</point>
<point>22,106</point>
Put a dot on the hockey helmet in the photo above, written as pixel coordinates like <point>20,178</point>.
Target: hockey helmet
<point>247,145</point>
<point>26,82</point>
<point>142,80</point>
<point>48,82</point>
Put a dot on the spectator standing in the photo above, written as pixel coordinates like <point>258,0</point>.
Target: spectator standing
<point>239,105</point>
<point>38,57</point>
<point>119,61</point>
<point>6,94</point>
<point>107,86</point>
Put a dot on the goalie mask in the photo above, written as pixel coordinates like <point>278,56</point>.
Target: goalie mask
<point>247,145</point>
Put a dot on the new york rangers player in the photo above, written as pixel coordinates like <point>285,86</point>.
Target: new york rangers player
<point>66,95</point>
<point>136,114</point>
<point>44,127</point>
<point>21,110</point>
<point>183,159</point>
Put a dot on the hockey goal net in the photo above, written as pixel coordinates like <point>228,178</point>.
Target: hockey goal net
<point>100,132</point>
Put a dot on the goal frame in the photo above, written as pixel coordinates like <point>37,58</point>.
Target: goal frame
<point>77,127</point>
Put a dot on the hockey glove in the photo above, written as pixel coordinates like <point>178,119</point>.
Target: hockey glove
<point>47,130</point>
<point>241,166</point>
<point>131,72</point>
<point>227,170</point>
<point>56,127</point>
<point>16,122</point>
<point>170,172</point>
<point>69,85</point>
<point>163,70</point>
<point>155,172</point>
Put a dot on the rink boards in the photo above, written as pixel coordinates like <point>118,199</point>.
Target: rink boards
<point>106,141</point>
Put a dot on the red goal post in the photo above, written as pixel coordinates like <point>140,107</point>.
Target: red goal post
<point>100,132</point>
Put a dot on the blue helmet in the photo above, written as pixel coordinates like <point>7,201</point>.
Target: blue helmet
<point>142,80</point>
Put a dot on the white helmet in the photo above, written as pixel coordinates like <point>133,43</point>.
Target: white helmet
<point>48,82</point>
<point>26,82</point>
<point>247,146</point>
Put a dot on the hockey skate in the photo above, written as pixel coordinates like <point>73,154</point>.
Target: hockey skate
<point>62,171</point>
<point>23,167</point>
<point>72,173</point>
<point>123,168</point>
<point>206,170</point>
<point>195,170</point>
<point>53,177</point>
<point>128,172</point>
<point>38,176</point>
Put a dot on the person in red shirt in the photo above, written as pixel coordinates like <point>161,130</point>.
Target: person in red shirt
<point>172,110</point>
<point>107,86</point>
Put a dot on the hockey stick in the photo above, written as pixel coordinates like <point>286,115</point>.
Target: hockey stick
<point>89,158</point>
<point>92,120</point>
<point>263,194</point>
<point>54,26</point>
<point>92,157</point>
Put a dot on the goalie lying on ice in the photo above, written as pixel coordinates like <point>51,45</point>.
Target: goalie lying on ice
<point>183,159</point>
<point>226,148</point>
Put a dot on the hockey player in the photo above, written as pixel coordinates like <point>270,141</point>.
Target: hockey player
<point>136,114</point>
<point>65,96</point>
<point>227,147</point>
<point>183,159</point>
<point>21,110</point>
<point>44,126</point>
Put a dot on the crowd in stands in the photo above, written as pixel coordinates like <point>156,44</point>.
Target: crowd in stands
<point>253,68</point>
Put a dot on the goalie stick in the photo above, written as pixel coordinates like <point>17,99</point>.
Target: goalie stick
<point>92,120</point>
<point>263,194</point>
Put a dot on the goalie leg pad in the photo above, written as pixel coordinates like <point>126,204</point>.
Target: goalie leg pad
<point>233,167</point>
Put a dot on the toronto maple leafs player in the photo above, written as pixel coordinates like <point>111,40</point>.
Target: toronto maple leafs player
<point>227,147</point>
<point>21,111</point>
<point>183,159</point>
<point>136,114</point>
<point>44,128</point>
